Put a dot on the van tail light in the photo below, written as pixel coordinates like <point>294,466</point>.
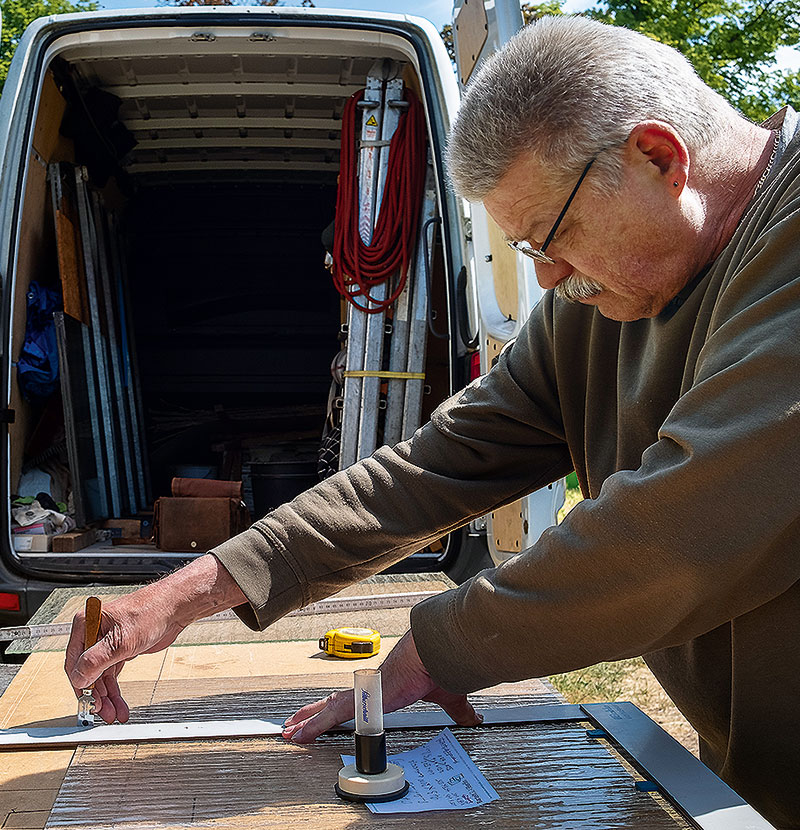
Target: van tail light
<point>9,602</point>
<point>474,365</point>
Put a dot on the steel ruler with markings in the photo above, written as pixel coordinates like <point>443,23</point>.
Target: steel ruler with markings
<point>332,605</point>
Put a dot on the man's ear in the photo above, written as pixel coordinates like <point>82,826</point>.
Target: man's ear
<point>662,151</point>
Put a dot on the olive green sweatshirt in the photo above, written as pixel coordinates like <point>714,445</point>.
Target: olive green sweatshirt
<point>684,431</point>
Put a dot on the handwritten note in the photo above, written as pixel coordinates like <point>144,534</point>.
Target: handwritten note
<point>441,776</point>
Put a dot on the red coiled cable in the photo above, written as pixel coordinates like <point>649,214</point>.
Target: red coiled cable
<point>359,268</point>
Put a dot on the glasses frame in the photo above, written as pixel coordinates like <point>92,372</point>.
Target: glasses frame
<point>538,254</point>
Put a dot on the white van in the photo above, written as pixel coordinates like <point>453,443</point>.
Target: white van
<point>169,174</point>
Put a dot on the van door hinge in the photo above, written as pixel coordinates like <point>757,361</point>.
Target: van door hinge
<point>7,416</point>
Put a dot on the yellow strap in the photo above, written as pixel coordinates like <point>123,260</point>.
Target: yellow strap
<point>363,373</point>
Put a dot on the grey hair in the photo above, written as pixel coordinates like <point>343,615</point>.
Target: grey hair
<point>568,88</point>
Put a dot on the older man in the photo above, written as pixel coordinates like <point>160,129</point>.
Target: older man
<point>662,367</point>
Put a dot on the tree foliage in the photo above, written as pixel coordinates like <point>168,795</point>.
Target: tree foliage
<point>530,12</point>
<point>731,43</point>
<point>18,14</point>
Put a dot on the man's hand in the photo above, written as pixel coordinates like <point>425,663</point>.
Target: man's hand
<point>405,681</point>
<point>144,622</point>
<point>128,627</point>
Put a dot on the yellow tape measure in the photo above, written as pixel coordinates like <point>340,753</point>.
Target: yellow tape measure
<point>351,642</point>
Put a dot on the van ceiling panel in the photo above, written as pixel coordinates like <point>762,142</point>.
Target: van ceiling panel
<point>245,108</point>
<point>210,69</point>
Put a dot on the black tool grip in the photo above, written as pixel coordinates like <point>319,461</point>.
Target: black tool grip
<point>371,753</point>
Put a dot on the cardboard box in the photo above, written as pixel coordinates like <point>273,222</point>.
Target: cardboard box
<point>32,542</point>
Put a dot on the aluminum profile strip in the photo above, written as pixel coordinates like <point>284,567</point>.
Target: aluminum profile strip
<point>408,340</point>
<point>688,783</point>
<point>356,319</point>
<point>90,258</point>
<point>128,359</point>
<point>66,379</point>
<point>330,605</point>
<point>492,716</point>
<point>418,325</point>
<point>119,733</point>
<point>398,362</point>
<point>61,737</point>
<point>118,397</point>
<point>99,393</point>
<point>98,436</point>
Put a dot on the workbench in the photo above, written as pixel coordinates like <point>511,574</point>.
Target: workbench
<point>563,774</point>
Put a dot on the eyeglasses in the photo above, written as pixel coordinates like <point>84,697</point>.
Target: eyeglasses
<point>539,254</point>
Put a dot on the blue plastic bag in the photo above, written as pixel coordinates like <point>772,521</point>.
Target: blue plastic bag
<point>38,363</point>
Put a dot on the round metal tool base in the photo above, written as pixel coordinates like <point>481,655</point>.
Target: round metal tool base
<point>386,786</point>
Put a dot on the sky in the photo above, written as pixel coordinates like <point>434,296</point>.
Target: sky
<point>437,11</point>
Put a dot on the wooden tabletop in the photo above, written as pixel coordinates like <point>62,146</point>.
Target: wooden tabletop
<point>546,774</point>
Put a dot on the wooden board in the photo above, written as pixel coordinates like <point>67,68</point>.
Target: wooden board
<point>31,264</point>
<point>73,542</point>
<point>471,31</point>
<point>505,523</point>
<point>504,272</point>
<point>506,527</point>
<point>34,253</point>
<point>47,141</point>
<point>70,264</point>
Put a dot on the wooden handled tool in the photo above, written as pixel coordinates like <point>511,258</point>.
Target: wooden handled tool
<point>91,630</point>
<point>92,622</point>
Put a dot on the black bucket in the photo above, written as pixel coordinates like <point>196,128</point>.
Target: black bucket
<point>276,482</point>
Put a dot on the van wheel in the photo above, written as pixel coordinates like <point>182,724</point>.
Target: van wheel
<point>469,556</point>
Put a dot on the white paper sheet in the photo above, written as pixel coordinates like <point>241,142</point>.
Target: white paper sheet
<point>441,776</point>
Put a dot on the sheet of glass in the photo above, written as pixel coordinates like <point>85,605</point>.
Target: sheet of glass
<point>550,777</point>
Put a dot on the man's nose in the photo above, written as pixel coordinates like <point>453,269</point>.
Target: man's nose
<point>550,275</point>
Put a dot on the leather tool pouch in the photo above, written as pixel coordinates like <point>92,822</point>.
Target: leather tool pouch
<point>187,524</point>
<point>207,488</point>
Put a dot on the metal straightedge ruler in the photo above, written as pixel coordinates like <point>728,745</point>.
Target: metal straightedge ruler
<point>332,605</point>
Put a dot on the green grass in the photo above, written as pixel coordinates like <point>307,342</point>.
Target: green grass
<point>623,680</point>
<point>571,498</point>
<point>605,681</point>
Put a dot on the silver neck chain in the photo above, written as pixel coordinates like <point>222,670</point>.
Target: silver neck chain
<point>764,175</point>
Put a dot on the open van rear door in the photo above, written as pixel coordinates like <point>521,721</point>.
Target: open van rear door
<point>503,283</point>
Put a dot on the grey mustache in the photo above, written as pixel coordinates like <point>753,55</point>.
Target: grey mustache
<point>576,288</point>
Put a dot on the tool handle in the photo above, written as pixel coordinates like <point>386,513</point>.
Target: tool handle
<point>92,622</point>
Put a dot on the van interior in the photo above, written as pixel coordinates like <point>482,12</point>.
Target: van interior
<point>179,189</point>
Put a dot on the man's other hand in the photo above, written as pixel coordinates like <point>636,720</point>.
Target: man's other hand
<point>405,681</point>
